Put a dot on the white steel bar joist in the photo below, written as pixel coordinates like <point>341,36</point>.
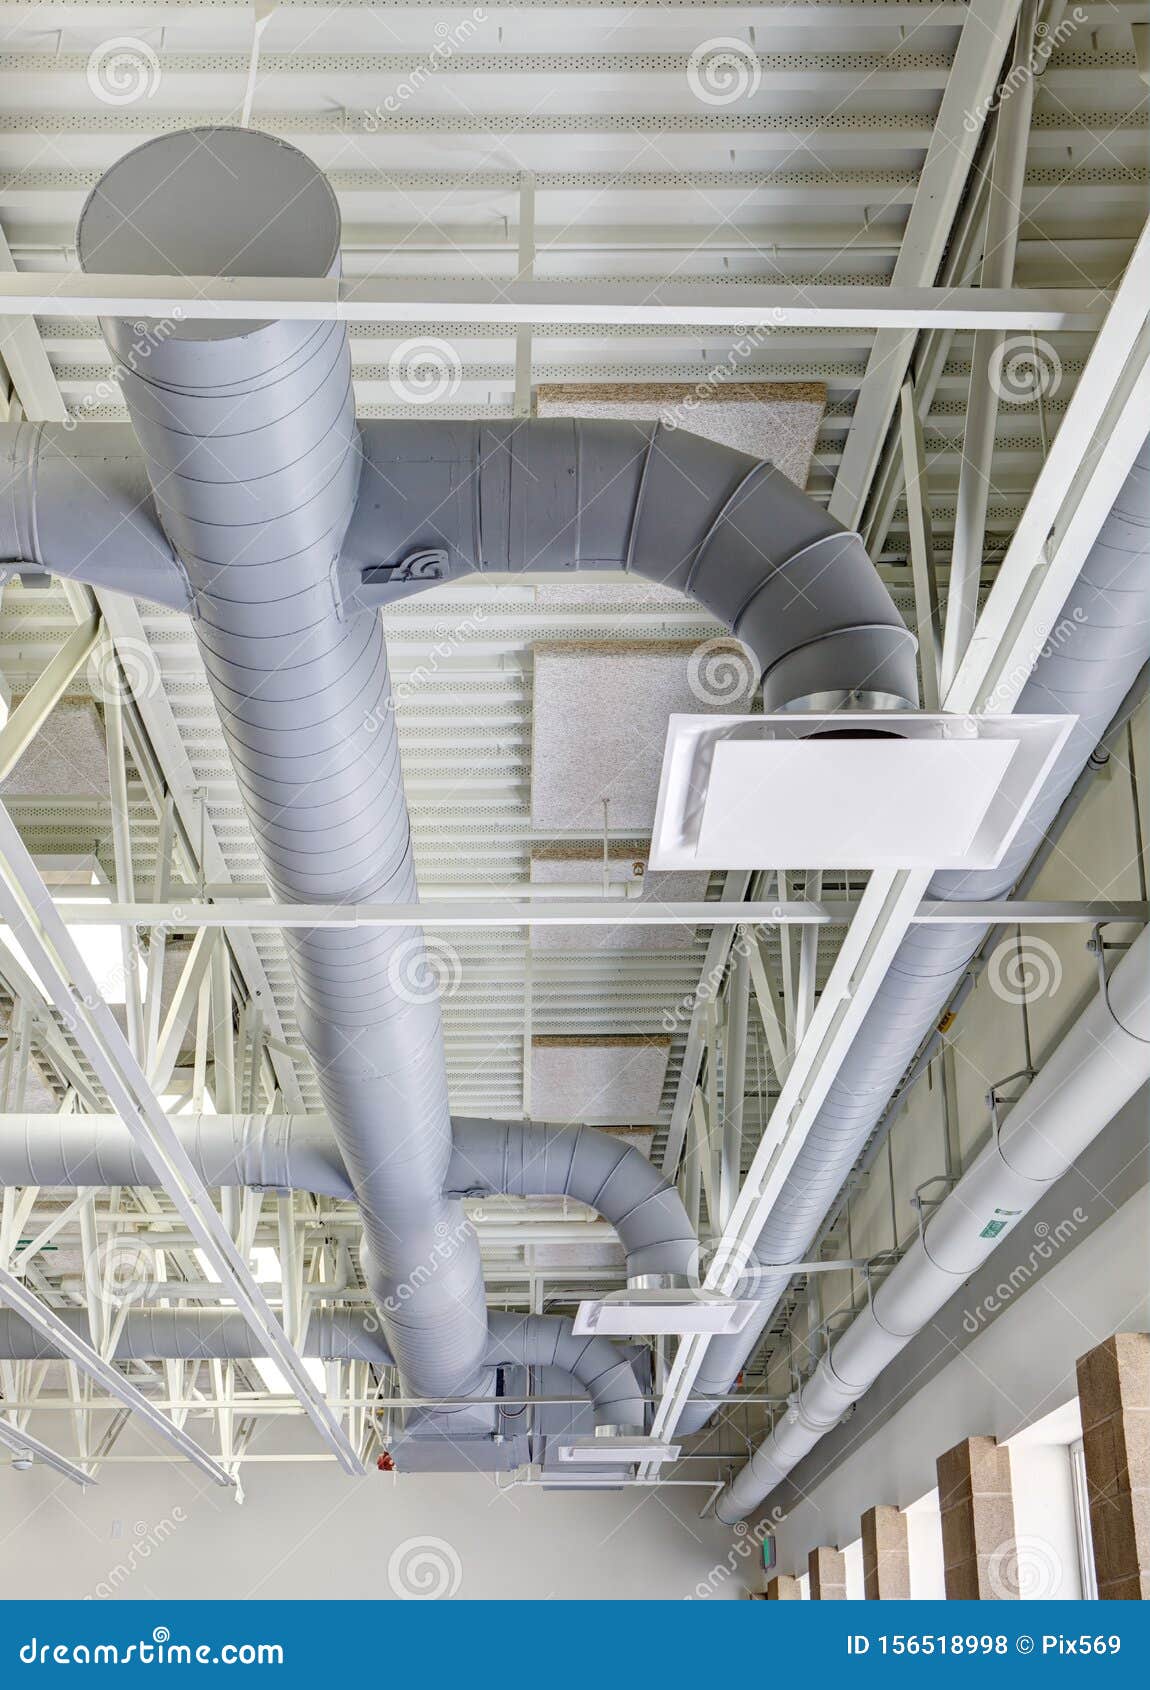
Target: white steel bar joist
<point>27,906</point>
<point>881,921</point>
<point>81,1354</point>
<point>1090,457</point>
<point>1000,244</point>
<point>965,105</point>
<point>371,299</point>
<point>531,912</point>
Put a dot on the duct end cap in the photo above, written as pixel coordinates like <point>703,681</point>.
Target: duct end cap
<point>211,201</point>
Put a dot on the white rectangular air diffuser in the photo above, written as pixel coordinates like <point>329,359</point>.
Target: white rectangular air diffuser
<point>638,1313</point>
<point>869,790</point>
<point>613,1451</point>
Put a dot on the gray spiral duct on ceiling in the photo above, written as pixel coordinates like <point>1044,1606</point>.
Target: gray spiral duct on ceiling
<point>1099,644</point>
<point>599,1367</point>
<point>272,1152</point>
<point>300,1153</point>
<point>520,1159</point>
<point>249,437</point>
<point>281,526</point>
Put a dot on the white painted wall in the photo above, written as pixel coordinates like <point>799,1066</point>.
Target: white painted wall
<point>1044,1521</point>
<point>924,1544</point>
<point>307,1531</point>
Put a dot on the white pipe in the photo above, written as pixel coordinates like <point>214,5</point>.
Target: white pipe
<point>1090,1076</point>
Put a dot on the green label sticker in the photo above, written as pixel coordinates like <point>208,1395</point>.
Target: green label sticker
<point>992,1229</point>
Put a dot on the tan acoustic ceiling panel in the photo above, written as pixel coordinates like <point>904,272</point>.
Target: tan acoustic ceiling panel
<point>563,862</point>
<point>68,754</point>
<point>775,420</point>
<point>600,723</point>
<point>598,1080</point>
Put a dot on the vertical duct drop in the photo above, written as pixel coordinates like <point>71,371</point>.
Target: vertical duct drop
<point>249,436</point>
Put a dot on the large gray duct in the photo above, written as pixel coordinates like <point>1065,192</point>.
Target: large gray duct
<point>249,437</point>
<point>251,450</point>
<point>599,1366</point>
<point>1092,1073</point>
<point>1093,657</point>
<point>520,1159</point>
<point>300,1153</point>
<point>272,1152</point>
<point>447,498</point>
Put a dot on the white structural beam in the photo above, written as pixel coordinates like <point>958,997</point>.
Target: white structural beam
<point>734,1080</point>
<point>1090,457</point>
<point>918,516</point>
<point>24,1444</point>
<point>904,131</point>
<point>369,299</point>
<point>974,73</point>
<point>1004,203</point>
<point>720,915</point>
<point>782,72</point>
<point>874,935</point>
<point>26,904</point>
<point>791,14</point>
<point>25,358</point>
<point>693,1011</point>
<point>76,1350</point>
